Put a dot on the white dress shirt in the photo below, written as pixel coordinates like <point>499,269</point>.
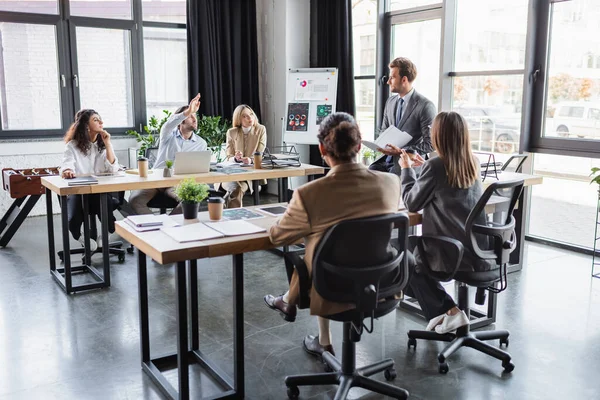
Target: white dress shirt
<point>81,164</point>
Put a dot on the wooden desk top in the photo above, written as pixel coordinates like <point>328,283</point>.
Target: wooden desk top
<point>155,180</point>
<point>165,250</point>
<point>529,180</point>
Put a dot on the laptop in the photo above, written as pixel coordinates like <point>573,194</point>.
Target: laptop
<point>192,162</point>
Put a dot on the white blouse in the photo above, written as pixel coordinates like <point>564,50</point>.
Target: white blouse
<point>93,163</point>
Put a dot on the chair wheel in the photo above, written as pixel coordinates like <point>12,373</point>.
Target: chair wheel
<point>390,374</point>
<point>121,257</point>
<point>443,368</point>
<point>62,259</point>
<point>504,341</point>
<point>508,366</point>
<point>130,250</point>
<point>293,392</point>
<point>412,342</point>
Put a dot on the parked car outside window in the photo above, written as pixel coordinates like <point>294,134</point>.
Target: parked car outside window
<point>491,129</point>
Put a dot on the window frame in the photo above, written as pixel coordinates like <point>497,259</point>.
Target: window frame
<point>65,27</point>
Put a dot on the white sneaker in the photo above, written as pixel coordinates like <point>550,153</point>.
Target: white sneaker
<point>93,244</point>
<point>99,241</point>
<point>452,322</point>
<point>433,322</point>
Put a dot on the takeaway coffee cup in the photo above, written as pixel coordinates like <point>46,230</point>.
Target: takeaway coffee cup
<point>258,160</point>
<point>143,167</point>
<point>215,208</point>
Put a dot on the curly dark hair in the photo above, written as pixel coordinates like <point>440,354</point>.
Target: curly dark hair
<point>340,136</point>
<point>78,131</point>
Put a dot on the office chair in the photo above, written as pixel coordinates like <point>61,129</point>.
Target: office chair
<point>514,163</point>
<point>114,248</point>
<point>502,241</point>
<point>354,264</point>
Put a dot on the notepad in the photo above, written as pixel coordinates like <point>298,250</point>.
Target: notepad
<point>192,233</point>
<point>165,221</point>
<point>235,228</point>
<point>145,220</point>
<point>82,180</point>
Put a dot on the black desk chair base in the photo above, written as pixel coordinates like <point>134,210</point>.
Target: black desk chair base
<point>465,338</point>
<point>346,375</point>
<point>114,248</point>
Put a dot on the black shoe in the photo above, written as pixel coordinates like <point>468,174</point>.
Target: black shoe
<point>287,311</point>
<point>312,346</point>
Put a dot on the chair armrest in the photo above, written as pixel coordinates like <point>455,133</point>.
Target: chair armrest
<point>451,249</point>
<point>295,261</point>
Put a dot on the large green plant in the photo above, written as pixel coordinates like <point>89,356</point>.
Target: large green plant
<point>191,192</point>
<point>596,175</point>
<point>152,133</point>
<point>214,131</point>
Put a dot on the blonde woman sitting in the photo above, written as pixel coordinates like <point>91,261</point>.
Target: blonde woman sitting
<point>246,137</point>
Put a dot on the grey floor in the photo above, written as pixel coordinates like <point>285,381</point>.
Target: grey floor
<point>86,346</point>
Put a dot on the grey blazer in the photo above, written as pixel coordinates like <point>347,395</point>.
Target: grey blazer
<point>415,121</point>
<point>445,211</point>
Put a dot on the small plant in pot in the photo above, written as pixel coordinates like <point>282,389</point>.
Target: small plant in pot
<point>168,170</point>
<point>191,194</point>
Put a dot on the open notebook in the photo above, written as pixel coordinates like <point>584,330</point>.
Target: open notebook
<point>211,230</point>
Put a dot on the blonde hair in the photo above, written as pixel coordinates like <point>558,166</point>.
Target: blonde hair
<point>450,138</point>
<point>237,115</point>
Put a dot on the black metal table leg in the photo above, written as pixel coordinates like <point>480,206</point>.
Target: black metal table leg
<point>66,245</point>
<point>193,303</point>
<point>105,241</point>
<point>143,299</point>
<point>182,332</point>
<point>516,257</point>
<point>238,324</point>
<point>86,230</point>
<point>18,220</point>
<point>256,192</point>
<point>50,223</point>
<point>283,190</point>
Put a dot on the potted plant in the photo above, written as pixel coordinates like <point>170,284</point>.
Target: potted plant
<point>367,156</point>
<point>168,170</point>
<point>214,131</point>
<point>191,194</point>
<point>152,136</point>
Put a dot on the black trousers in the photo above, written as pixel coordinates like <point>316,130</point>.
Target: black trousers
<point>431,295</point>
<point>382,166</point>
<point>75,212</point>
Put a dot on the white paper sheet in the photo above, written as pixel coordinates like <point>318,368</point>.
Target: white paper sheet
<point>391,135</point>
<point>235,227</point>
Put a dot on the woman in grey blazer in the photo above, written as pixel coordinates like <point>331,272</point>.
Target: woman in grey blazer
<point>446,190</point>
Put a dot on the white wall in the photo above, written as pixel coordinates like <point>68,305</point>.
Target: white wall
<point>283,31</point>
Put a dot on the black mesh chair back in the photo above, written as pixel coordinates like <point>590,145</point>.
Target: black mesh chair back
<point>356,254</point>
<point>514,163</point>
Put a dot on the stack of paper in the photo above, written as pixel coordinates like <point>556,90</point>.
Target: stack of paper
<point>235,227</point>
<point>211,230</point>
<point>144,223</point>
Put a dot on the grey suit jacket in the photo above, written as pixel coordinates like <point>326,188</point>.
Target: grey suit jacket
<point>416,119</point>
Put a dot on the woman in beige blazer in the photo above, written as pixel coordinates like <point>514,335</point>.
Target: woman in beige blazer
<point>246,137</point>
<point>350,190</point>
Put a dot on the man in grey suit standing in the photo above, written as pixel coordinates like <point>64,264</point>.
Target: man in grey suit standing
<point>409,111</point>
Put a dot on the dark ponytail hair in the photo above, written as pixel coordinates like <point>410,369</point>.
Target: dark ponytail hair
<point>78,131</point>
<point>340,136</point>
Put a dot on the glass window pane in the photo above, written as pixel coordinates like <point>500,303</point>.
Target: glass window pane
<point>364,27</point>
<point>492,107</point>
<point>364,92</point>
<point>164,10</point>
<point>104,61</point>
<point>490,35</point>
<point>406,4</point>
<point>29,81</point>
<point>573,92</point>
<point>30,6</point>
<point>564,207</point>
<point>165,56</point>
<point>423,49</point>
<point>115,9</point>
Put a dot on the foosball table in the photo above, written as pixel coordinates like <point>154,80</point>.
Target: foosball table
<point>23,185</point>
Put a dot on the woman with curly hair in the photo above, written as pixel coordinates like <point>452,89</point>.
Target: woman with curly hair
<point>88,151</point>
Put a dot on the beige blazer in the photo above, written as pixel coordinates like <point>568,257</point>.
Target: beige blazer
<point>348,191</point>
<point>255,140</point>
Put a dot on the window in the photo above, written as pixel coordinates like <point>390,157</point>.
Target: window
<point>395,5</point>
<point>165,54</point>
<point>489,69</point>
<point>87,54</point>
<point>29,80</point>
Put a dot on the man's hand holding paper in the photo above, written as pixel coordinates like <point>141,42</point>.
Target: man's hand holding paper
<point>390,142</point>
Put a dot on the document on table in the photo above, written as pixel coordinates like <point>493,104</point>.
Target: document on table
<point>192,232</point>
<point>391,135</point>
<point>235,227</point>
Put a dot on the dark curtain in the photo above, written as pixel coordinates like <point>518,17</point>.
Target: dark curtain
<point>331,46</point>
<point>222,55</point>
